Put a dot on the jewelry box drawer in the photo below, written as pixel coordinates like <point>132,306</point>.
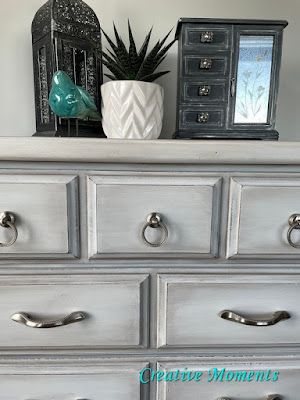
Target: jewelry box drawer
<point>264,217</point>
<point>200,118</point>
<point>206,38</point>
<point>206,91</point>
<point>206,65</point>
<point>221,379</point>
<point>203,311</point>
<point>41,219</point>
<point>72,380</point>
<point>151,214</point>
<point>82,311</point>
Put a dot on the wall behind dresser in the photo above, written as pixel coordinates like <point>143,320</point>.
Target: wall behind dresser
<point>16,99</point>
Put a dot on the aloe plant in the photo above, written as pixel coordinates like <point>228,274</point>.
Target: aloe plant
<point>131,64</point>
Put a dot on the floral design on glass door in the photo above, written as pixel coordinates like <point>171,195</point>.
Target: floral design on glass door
<point>253,79</point>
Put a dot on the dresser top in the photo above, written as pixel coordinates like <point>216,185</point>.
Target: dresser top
<point>148,152</point>
<point>203,21</point>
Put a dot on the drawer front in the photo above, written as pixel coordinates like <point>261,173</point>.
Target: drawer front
<point>228,380</point>
<point>115,308</point>
<point>208,37</point>
<point>46,217</point>
<point>204,91</point>
<point>119,205</point>
<point>190,309</point>
<point>260,208</point>
<point>205,65</point>
<point>118,381</point>
<point>200,118</point>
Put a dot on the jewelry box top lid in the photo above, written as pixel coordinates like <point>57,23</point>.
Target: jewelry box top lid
<point>203,21</point>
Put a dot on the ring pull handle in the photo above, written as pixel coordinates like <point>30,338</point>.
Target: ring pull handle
<point>240,319</point>
<point>154,221</point>
<point>31,322</point>
<point>7,220</point>
<point>294,223</point>
<point>270,397</point>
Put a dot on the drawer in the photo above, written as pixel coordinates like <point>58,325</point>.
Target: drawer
<point>204,91</point>
<point>206,65</point>
<point>192,310</point>
<point>119,207</point>
<point>115,308</point>
<point>259,212</point>
<point>74,380</point>
<point>46,217</point>
<point>201,118</point>
<point>208,37</point>
<point>228,380</point>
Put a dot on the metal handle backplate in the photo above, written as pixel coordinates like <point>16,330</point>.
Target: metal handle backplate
<point>266,321</point>
<point>28,320</point>
<point>154,221</point>
<point>7,221</point>
<point>294,223</point>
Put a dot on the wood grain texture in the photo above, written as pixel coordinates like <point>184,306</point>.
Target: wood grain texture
<point>202,152</point>
<point>116,308</point>
<point>189,307</point>
<point>46,211</point>
<point>259,210</point>
<point>120,203</point>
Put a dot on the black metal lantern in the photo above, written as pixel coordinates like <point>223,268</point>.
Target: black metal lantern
<point>66,36</point>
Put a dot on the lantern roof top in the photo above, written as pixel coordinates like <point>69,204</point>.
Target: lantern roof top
<point>70,17</point>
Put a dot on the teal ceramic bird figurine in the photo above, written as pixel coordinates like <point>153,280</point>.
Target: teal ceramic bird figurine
<point>70,101</point>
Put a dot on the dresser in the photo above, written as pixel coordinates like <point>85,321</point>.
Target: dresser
<point>118,257</point>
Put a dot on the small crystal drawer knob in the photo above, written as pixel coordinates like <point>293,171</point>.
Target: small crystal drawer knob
<point>207,37</point>
<point>204,90</point>
<point>203,117</point>
<point>205,63</point>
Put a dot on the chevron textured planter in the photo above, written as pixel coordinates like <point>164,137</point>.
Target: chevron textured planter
<point>132,109</point>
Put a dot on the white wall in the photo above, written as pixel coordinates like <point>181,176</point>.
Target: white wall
<point>16,101</point>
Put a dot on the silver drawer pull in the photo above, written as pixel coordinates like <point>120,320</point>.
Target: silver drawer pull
<point>270,397</point>
<point>207,37</point>
<point>7,220</point>
<point>294,223</point>
<point>203,118</point>
<point>240,319</point>
<point>154,221</point>
<point>205,63</point>
<point>204,90</point>
<point>28,320</point>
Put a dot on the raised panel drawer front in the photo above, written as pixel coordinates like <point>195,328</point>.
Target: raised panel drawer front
<point>259,217</point>
<point>208,311</point>
<point>80,381</point>
<point>81,311</point>
<point>46,219</point>
<point>119,207</point>
<point>206,38</point>
<point>228,380</point>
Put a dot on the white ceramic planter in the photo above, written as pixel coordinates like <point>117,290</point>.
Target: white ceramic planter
<point>132,109</point>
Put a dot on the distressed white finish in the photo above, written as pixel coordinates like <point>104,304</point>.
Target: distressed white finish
<point>216,152</point>
<point>147,305</point>
<point>118,206</point>
<point>45,207</point>
<point>287,386</point>
<point>260,207</point>
<point>45,381</point>
<point>189,307</point>
<point>132,109</point>
<point>116,306</point>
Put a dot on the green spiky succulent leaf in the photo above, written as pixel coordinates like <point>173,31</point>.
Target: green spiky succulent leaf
<point>131,64</point>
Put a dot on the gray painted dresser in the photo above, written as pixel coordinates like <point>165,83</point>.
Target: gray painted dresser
<point>167,255</point>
